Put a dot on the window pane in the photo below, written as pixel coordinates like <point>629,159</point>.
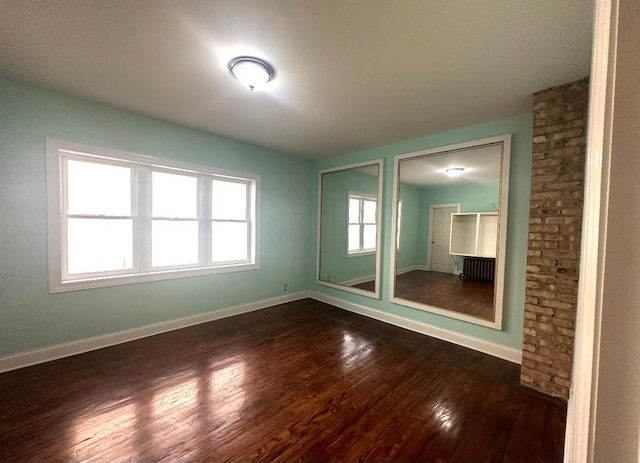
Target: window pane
<point>99,245</point>
<point>369,211</point>
<point>174,195</point>
<point>354,238</point>
<point>369,238</point>
<point>228,200</point>
<point>174,243</point>
<point>229,241</point>
<point>354,210</point>
<point>98,189</point>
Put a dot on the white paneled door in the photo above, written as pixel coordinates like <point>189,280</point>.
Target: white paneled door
<point>439,232</point>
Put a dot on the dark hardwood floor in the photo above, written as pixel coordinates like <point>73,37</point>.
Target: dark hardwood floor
<point>302,381</point>
<point>469,296</point>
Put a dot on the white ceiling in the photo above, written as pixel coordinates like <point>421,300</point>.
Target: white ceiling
<point>480,165</point>
<point>350,75</point>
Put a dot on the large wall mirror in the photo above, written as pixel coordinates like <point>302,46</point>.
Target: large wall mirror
<point>349,235</point>
<point>450,218</point>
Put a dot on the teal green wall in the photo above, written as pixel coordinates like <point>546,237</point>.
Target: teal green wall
<point>520,127</point>
<point>410,232</point>
<point>473,197</point>
<point>334,262</point>
<point>30,317</point>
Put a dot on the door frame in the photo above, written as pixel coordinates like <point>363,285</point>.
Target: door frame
<point>602,404</point>
<point>430,230</point>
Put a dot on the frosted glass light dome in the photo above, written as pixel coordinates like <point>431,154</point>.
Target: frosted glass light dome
<point>454,171</point>
<point>251,71</point>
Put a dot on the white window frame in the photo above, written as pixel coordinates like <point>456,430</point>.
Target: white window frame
<point>202,211</point>
<point>361,197</point>
<point>142,167</point>
<point>64,216</point>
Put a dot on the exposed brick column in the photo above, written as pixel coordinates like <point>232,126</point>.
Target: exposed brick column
<point>555,222</point>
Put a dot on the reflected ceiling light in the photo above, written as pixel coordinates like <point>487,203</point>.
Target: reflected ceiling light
<point>252,72</point>
<point>454,171</point>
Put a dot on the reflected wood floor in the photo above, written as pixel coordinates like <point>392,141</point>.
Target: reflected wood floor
<point>302,381</point>
<point>469,296</point>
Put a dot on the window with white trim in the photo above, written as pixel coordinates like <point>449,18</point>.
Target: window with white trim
<point>118,218</point>
<point>361,226</point>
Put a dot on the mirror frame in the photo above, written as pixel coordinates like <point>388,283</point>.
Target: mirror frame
<point>502,230</point>
<point>362,292</point>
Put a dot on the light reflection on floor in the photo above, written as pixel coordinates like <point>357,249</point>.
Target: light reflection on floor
<point>227,387</point>
<point>175,401</point>
<point>93,431</point>
<point>151,420</point>
<point>445,416</point>
<point>355,350</point>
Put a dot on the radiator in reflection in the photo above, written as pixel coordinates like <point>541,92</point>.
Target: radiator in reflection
<point>479,268</point>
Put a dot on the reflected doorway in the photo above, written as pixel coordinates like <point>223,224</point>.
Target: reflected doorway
<point>438,258</point>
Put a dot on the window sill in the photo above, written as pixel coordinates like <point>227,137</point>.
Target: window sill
<point>360,254</point>
<point>119,280</point>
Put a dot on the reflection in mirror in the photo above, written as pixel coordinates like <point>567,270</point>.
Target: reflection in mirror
<point>450,230</point>
<point>349,228</point>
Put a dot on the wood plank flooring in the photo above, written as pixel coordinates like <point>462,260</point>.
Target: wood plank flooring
<point>469,296</point>
<point>302,381</point>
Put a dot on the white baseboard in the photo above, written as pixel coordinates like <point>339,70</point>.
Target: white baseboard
<point>496,350</point>
<point>357,281</point>
<point>411,268</point>
<point>67,349</point>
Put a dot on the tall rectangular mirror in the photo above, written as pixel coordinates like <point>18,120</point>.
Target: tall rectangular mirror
<point>349,212</point>
<point>450,219</point>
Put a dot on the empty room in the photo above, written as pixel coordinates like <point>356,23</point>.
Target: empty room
<point>319,230</point>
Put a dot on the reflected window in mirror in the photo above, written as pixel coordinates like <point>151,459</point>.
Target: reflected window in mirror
<point>361,229</point>
<point>349,228</point>
<point>450,231</point>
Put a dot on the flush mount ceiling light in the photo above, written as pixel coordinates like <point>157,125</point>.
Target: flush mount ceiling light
<point>454,171</point>
<point>252,72</point>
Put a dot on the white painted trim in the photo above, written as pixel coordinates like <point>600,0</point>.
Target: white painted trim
<point>581,410</point>
<point>59,281</point>
<point>67,349</point>
<point>100,152</point>
<point>372,294</point>
<point>501,256</point>
<point>357,281</point>
<point>393,261</point>
<point>443,312</point>
<point>456,147</point>
<point>58,351</point>
<point>502,229</point>
<point>430,232</point>
<point>496,350</point>
<point>119,280</point>
<point>411,268</point>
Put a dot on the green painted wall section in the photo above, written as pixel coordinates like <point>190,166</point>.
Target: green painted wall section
<point>473,197</point>
<point>410,232</point>
<point>334,262</point>
<point>30,317</point>
<point>520,127</point>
